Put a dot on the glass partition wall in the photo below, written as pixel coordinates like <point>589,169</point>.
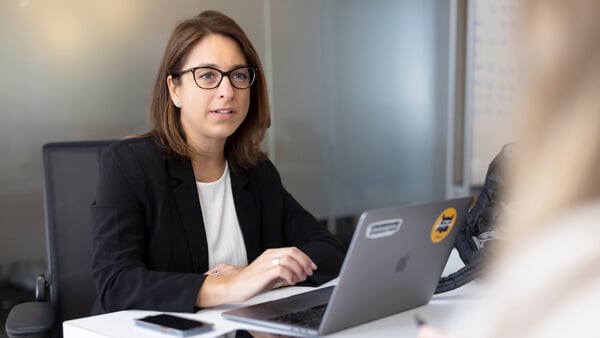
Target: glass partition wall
<point>360,102</point>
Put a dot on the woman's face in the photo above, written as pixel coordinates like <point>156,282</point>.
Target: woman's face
<point>211,115</point>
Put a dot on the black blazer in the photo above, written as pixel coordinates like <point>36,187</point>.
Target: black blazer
<point>149,243</point>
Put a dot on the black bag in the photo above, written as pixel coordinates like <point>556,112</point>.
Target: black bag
<point>480,228</point>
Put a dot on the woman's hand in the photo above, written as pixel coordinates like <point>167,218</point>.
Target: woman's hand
<point>235,284</point>
<point>228,269</point>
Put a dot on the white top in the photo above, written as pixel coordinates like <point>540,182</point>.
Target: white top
<point>223,233</point>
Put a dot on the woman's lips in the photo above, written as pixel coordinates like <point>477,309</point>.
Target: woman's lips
<point>222,111</point>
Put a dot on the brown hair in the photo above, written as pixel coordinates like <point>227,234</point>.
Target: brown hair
<point>242,148</point>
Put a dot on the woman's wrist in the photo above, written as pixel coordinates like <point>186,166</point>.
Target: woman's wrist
<point>214,291</point>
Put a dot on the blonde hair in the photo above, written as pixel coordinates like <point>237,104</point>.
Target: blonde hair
<point>559,143</point>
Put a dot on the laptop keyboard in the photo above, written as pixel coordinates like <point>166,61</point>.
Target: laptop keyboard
<point>310,317</point>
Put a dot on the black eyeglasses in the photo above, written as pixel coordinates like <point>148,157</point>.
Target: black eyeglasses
<point>210,78</point>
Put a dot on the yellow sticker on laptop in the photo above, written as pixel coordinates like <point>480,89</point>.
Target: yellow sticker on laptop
<point>443,225</point>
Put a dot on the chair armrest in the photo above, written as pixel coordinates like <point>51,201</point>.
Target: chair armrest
<point>31,319</point>
<point>41,288</point>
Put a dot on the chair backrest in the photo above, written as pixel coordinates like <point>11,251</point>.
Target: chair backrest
<point>70,179</point>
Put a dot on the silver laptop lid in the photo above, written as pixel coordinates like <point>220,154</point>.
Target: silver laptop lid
<point>393,264</point>
<point>394,261</point>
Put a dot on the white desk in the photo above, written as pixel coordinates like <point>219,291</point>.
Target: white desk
<point>437,312</point>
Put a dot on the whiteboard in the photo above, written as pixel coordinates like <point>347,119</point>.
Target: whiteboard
<point>491,75</point>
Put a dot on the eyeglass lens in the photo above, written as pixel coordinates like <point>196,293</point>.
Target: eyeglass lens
<point>209,78</point>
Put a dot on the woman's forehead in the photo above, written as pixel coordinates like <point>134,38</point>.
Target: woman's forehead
<point>217,51</point>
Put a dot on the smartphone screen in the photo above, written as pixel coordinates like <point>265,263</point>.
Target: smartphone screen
<point>175,325</point>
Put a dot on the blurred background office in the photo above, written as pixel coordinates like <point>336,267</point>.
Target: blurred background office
<point>375,103</point>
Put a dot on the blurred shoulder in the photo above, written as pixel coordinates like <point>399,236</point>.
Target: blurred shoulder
<point>568,240</point>
<point>552,275</point>
<point>573,228</point>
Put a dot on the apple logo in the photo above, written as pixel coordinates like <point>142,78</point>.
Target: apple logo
<point>402,262</point>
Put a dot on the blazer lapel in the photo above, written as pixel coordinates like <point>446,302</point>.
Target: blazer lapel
<point>183,187</point>
<point>247,209</point>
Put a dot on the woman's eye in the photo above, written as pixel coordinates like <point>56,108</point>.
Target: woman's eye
<point>206,76</point>
<point>240,76</point>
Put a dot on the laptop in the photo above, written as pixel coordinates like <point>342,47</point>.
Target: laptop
<point>393,264</point>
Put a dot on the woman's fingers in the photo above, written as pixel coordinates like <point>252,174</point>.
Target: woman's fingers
<point>298,272</point>
<point>292,258</point>
<point>292,264</point>
<point>285,274</point>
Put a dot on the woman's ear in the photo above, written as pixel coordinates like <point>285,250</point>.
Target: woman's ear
<point>174,91</point>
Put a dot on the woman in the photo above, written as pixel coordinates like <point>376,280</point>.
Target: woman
<point>546,281</point>
<point>192,214</point>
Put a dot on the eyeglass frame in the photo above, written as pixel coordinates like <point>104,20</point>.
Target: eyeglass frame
<point>223,75</point>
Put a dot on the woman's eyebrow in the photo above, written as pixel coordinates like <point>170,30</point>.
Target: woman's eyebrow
<point>213,65</point>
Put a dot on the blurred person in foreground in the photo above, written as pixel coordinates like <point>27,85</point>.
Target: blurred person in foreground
<point>545,281</point>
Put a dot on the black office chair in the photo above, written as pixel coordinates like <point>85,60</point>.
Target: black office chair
<point>67,290</point>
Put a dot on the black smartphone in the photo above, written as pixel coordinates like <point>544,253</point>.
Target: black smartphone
<point>178,326</point>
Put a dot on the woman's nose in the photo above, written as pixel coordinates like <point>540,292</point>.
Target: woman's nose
<point>225,89</point>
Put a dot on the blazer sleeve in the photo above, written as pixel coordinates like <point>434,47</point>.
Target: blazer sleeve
<point>303,230</point>
<point>120,237</point>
